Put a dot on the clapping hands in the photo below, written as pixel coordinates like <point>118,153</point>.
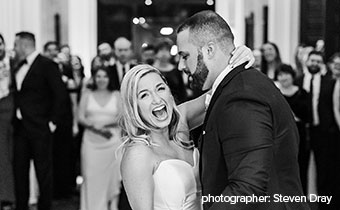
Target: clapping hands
<point>104,132</point>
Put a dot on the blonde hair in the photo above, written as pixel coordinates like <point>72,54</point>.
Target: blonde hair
<point>135,128</point>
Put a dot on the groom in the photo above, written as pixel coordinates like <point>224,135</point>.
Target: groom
<point>250,141</point>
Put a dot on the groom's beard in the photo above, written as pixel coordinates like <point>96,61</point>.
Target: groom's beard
<point>200,75</point>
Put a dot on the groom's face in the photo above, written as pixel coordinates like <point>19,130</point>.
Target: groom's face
<point>191,61</point>
<point>201,73</point>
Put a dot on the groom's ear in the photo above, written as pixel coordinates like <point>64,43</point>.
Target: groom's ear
<point>210,50</point>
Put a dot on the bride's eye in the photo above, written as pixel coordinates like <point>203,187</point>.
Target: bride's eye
<point>161,88</point>
<point>143,95</point>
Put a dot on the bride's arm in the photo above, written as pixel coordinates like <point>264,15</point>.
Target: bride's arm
<point>193,111</point>
<point>137,170</point>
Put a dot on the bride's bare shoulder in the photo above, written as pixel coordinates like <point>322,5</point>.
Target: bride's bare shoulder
<point>138,155</point>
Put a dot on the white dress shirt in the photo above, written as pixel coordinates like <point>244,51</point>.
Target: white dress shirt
<point>22,72</point>
<point>120,70</point>
<point>216,83</point>
<point>336,102</point>
<point>316,93</point>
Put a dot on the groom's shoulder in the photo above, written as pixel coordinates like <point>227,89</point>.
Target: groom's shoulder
<point>249,83</point>
<point>247,77</point>
<point>254,77</point>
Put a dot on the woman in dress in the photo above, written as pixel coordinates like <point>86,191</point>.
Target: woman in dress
<point>75,83</point>
<point>99,112</point>
<point>297,99</point>
<point>271,60</point>
<point>160,164</point>
<point>6,142</point>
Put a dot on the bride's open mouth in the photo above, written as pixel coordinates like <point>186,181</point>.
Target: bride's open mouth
<point>160,112</point>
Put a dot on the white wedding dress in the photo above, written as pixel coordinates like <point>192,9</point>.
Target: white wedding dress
<point>177,185</point>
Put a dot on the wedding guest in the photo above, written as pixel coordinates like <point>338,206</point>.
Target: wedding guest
<point>6,141</point>
<point>297,99</point>
<point>322,126</point>
<point>172,75</point>
<point>148,54</point>
<point>334,66</point>
<point>39,98</point>
<point>99,112</point>
<point>271,60</point>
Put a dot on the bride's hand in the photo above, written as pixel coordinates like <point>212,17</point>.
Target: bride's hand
<point>241,55</point>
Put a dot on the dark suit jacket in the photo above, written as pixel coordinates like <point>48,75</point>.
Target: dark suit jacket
<point>250,143</point>
<point>325,106</point>
<point>114,75</point>
<point>42,96</point>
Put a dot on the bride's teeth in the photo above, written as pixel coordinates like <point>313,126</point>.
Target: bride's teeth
<point>160,112</point>
<point>159,108</point>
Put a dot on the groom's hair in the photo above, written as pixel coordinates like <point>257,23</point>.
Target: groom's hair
<point>208,26</point>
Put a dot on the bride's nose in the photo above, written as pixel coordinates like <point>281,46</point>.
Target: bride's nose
<point>156,99</point>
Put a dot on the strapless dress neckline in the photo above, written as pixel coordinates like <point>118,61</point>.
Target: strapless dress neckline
<point>177,185</point>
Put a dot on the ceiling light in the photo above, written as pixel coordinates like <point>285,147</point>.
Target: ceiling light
<point>166,30</point>
<point>135,20</point>
<point>210,2</point>
<point>148,2</point>
<point>142,20</point>
<point>174,50</point>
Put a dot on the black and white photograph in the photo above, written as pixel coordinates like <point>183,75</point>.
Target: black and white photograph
<point>169,104</point>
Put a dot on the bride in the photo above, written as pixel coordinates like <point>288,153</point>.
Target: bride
<point>160,166</point>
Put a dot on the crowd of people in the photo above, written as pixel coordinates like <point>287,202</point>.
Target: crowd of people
<point>311,89</point>
<point>70,125</point>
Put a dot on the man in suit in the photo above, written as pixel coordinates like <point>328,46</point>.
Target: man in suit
<point>334,66</point>
<point>250,141</point>
<point>63,182</point>
<point>51,50</point>
<point>319,85</point>
<point>123,52</point>
<point>39,101</point>
<point>105,52</point>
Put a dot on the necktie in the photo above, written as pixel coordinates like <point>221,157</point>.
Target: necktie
<point>124,70</point>
<point>311,86</point>
<point>311,98</point>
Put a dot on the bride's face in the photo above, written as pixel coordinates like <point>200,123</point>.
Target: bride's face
<point>154,100</point>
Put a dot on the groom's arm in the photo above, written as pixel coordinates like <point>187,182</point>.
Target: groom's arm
<point>245,131</point>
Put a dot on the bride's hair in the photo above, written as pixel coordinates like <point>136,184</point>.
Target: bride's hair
<point>137,129</point>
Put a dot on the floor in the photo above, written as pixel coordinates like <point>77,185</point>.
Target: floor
<point>63,204</point>
<point>73,202</point>
<point>66,204</point>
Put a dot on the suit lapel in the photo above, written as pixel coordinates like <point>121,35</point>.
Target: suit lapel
<point>219,89</point>
<point>29,72</point>
<point>214,98</point>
